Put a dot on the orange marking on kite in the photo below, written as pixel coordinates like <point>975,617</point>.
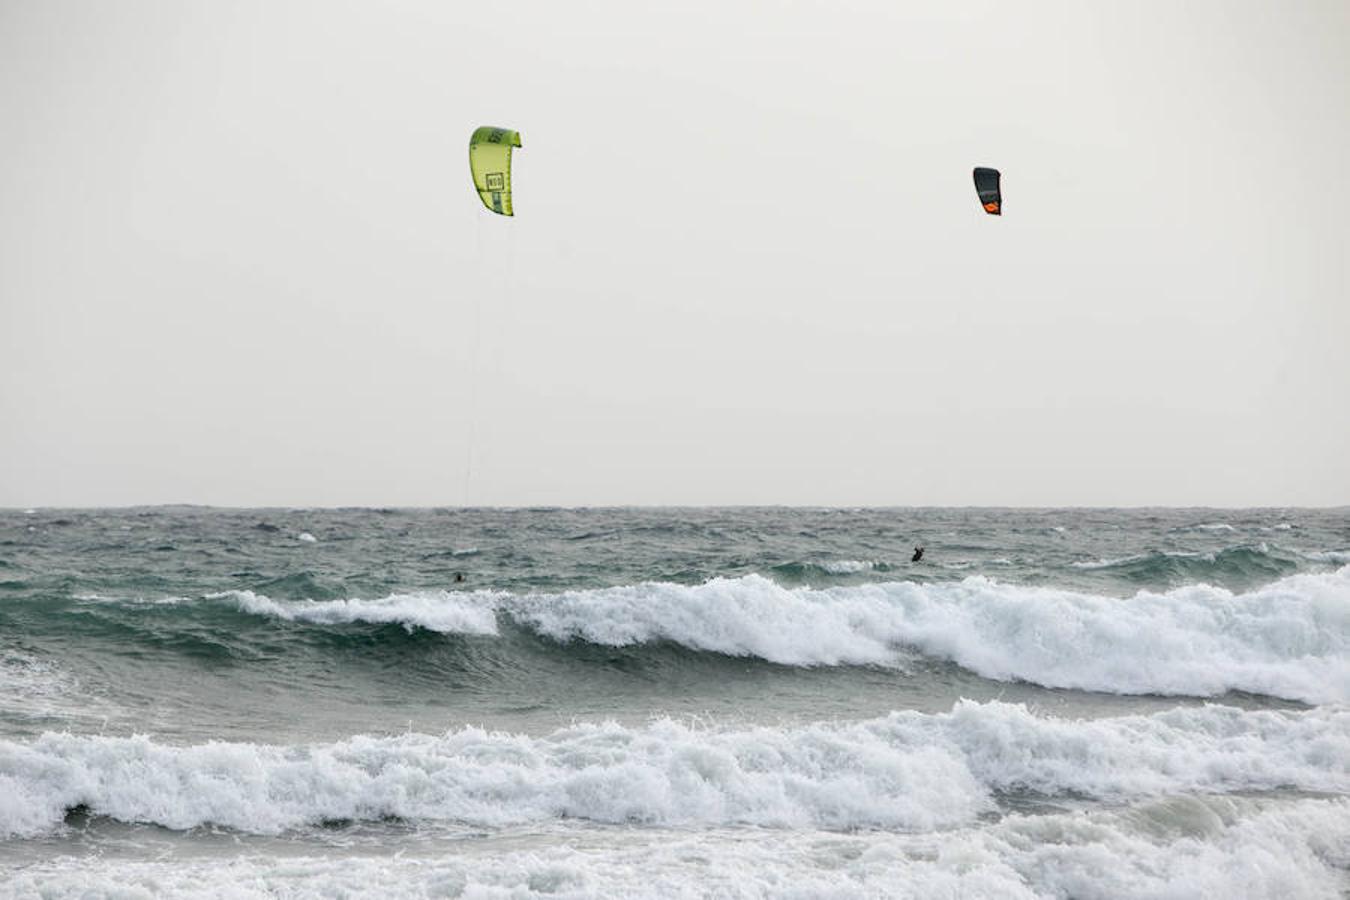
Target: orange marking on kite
<point>991,207</point>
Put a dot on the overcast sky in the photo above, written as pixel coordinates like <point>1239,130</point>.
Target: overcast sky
<point>242,261</point>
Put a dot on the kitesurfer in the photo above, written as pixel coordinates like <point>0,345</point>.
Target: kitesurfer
<point>918,555</point>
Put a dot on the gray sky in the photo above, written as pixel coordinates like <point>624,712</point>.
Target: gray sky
<point>242,262</point>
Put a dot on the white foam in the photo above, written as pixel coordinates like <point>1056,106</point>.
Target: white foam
<point>1339,557</point>
<point>307,537</point>
<point>133,601</point>
<point>1109,563</point>
<point>1218,847</point>
<point>906,771</point>
<point>847,566</point>
<point>442,611</point>
<point>1288,639</point>
<point>1141,557</point>
<point>39,693</point>
<point>34,687</point>
<point>750,616</point>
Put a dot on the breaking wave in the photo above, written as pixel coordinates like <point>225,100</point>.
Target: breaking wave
<point>906,771</point>
<point>1192,847</point>
<point>441,611</point>
<point>1288,639</point>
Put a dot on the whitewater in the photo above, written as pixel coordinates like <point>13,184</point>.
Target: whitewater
<point>1288,639</point>
<point>655,703</point>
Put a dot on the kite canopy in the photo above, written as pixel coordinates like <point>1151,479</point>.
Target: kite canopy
<point>986,184</point>
<point>490,163</point>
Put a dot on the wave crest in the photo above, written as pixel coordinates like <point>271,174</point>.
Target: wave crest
<point>1288,639</point>
<point>907,771</point>
<point>443,611</point>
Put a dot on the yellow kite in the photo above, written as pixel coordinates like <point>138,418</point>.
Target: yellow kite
<point>490,162</point>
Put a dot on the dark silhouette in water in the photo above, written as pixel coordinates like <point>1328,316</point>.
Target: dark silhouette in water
<point>459,576</point>
<point>918,555</point>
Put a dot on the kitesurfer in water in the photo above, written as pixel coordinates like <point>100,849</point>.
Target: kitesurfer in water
<point>918,555</point>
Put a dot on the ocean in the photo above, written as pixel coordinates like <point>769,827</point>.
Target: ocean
<point>744,702</point>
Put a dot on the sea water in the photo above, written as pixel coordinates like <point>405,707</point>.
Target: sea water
<point>674,703</point>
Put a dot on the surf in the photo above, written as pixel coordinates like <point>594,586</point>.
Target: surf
<point>906,771</point>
